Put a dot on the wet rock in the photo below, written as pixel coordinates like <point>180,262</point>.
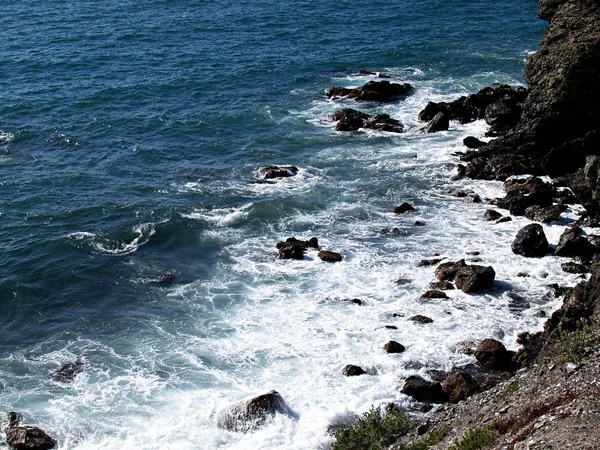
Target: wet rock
<point>473,278</point>
<point>467,347</point>
<point>352,120</point>
<point>353,371</point>
<point>447,271</point>
<point>523,193</point>
<point>394,347</point>
<point>502,115</point>
<point>164,279</point>
<point>327,256</point>
<point>25,437</point>
<point>420,223</point>
<point>517,303</point>
<point>441,285</point>
<point>491,215</point>
<point>393,231</point>
<point>271,172</point>
<point>504,219</point>
<point>530,241</point>
<point>403,281</point>
<point>380,91</point>
<point>391,327</point>
<point>472,142</point>
<point>423,390</point>
<point>384,122</point>
<point>572,243</point>
<point>545,214</point>
<point>441,122</point>
<point>294,248</point>
<point>421,319</point>
<point>492,355</point>
<point>356,301</point>
<point>430,262</point>
<point>459,386</point>
<point>403,208</point>
<point>251,414</point>
<point>68,371</point>
<point>572,267</point>
<point>433,293</point>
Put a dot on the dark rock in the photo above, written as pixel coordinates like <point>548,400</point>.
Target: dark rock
<point>384,122</point>
<point>294,248</point>
<point>465,347</point>
<point>251,414</point>
<point>442,285</point>
<point>517,303</point>
<point>429,262</point>
<point>271,172</point>
<point>433,293</point>
<point>26,438</point>
<point>441,122</point>
<point>572,267</point>
<point>327,256</point>
<point>353,371</point>
<point>421,319</point>
<point>521,194</point>
<point>391,327</point>
<point>492,355</point>
<point>381,91</point>
<point>366,72</point>
<point>68,371</point>
<point>473,142</point>
<point>571,243</point>
<point>459,386</point>
<point>403,281</point>
<point>447,271</point>
<point>394,347</point>
<point>164,279</point>
<point>545,214</point>
<point>356,301</point>
<point>502,115</point>
<point>491,215</point>
<point>423,390</point>
<point>504,219</point>
<point>473,278</point>
<point>420,223</point>
<point>403,208</point>
<point>530,241</point>
<point>351,120</point>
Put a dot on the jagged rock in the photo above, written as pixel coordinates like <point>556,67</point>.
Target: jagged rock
<point>26,438</point>
<point>530,241</point>
<point>521,194</point>
<point>491,215</point>
<point>441,122</point>
<point>502,115</point>
<point>380,91</point>
<point>473,142</point>
<point>294,248</point>
<point>571,243</point>
<point>545,214</point>
<point>433,293</point>
<point>327,256</point>
<point>394,347</point>
<point>467,347</point>
<point>356,301</point>
<point>419,223</point>
<point>504,219</point>
<point>68,371</point>
<point>429,262</point>
<point>353,371</point>
<point>271,172</point>
<point>251,414</point>
<point>423,390</point>
<point>492,355</point>
<point>421,319</point>
<point>351,120</point>
<point>403,208</point>
<point>459,386</point>
<point>572,267</point>
<point>447,271</point>
<point>473,278</point>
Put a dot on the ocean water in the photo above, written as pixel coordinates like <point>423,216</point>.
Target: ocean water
<point>131,135</point>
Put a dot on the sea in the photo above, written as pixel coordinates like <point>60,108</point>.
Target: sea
<point>131,139</point>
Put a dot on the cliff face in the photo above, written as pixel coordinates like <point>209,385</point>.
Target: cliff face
<point>560,120</point>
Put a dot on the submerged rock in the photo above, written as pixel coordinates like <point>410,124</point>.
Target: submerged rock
<point>293,248</point>
<point>403,208</point>
<point>68,371</point>
<point>26,438</point>
<point>352,120</point>
<point>491,215</point>
<point>251,414</point>
<point>271,172</point>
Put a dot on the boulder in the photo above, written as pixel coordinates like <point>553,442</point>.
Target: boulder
<point>327,256</point>
<point>394,347</point>
<point>68,371</point>
<point>403,208</point>
<point>353,371</point>
<point>271,172</point>
<point>25,437</point>
<point>381,91</point>
<point>249,415</point>
<point>492,355</point>
<point>521,194</point>
<point>433,293</point>
<point>423,390</point>
<point>473,278</point>
<point>351,120</point>
<point>447,271</point>
<point>572,243</point>
<point>421,319</point>
<point>430,262</point>
<point>491,215</point>
<point>293,248</point>
<point>441,122</point>
<point>472,142</point>
<point>544,214</point>
<point>384,122</point>
<point>530,241</point>
<point>459,386</point>
<point>502,115</point>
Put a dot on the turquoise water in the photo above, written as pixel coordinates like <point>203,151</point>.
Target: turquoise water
<point>131,135</point>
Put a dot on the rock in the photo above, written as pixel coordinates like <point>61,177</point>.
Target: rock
<point>294,248</point>
<point>394,347</point>
<point>473,278</point>
<point>327,256</point>
<point>403,208</point>
<point>473,142</point>
<point>491,215</point>
<point>421,319</point>
<point>530,241</point>
<point>384,122</point>
<point>353,371</point>
<point>356,301</point>
<point>429,262</point>
<point>351,120</point>
<point>442,285</point>
<point>249,415</point>
<point>504,219</point>
<point>419,223</point>
<point>441,122</point>
<point>502,115</point>
<point>26,438</point>
<point>467,347</point>
<point>492,355</point>
<point>545,214</point>
<point>571,243</point>
<point>459,386</point>
<point>423,390</point>
<point>433,293</point>
<point>164,279</point>
<point>381,91</point>
<point>447,271</point>
<point>403,281</point>
<point>571,267</point>
<point>271,172</point>
<point>521,194</point>
<point>68,371</point>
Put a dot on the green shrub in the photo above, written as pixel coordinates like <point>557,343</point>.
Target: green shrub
<point>480,437</point>
<point>574,346</point>
<point>432,438</point>
<point>372,430</point>
<point>509,389</point>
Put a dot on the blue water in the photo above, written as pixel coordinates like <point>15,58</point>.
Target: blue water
<point>131,135</point>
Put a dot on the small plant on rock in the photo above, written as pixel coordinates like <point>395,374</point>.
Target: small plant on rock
<point>575,346</point>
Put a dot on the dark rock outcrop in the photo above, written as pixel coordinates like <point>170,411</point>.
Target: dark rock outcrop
<point>447,271</point>
<point>22,437</point>
<point>379,91</point>
<point>293,248</point>
<point>530,241</point>
<point>459,386</point>
<point>423,390</point>
<point>572,243</point>
<point>352,120</point>
<point>440,122</point>
<point>521,194</point>
<point>68,371</point>
<point>473,142</point>
<point>491,215</point>
<point>271,172</point>
<point>251,414</point>
<point>492,355</point>
<point>544,214</point>
<point>403,208</point>
<point>421,319</point>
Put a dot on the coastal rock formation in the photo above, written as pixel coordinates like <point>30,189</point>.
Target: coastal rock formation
<point>434,293</point>
<point>68,371</point>
<point>530,241</point>
<point>352,120</point>
<point>492,355</point>
<point>271,172</point>
<point>524,193</point>
<point>294,248</point>
<point>572,243</point>
<point>403,208</point>
<point>459,386</point>
<point>473,278</point>
<point>423,390</point>
<point>22,437</point>
<point>251,414</point>
<point>380,91</point>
